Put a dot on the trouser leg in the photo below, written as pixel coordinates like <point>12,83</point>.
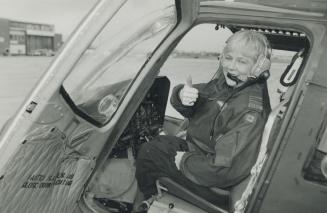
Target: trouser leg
<point>157,159</point>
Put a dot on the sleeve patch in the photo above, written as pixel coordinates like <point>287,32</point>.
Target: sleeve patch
<point>250,118</point>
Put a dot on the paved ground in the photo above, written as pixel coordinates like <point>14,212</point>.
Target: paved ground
<point>18,76</point>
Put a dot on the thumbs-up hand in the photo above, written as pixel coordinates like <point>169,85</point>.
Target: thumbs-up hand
<point>188,94</point>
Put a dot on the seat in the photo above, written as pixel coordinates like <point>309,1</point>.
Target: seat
<point>240,198</point>
<point>234,198</point>
<point>181,192</point>
<point>272,127</point>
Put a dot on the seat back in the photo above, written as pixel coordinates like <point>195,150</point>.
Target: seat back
<point>239,199</point>
<point>240,193</point>
<point>269,135</point>
<point>236,192</point>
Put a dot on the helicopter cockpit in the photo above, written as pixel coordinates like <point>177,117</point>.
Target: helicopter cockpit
<point>113,188</point>
<point>73,146</point>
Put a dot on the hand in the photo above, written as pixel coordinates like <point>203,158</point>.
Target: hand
<point>178,158</point>
<point>188,94</point>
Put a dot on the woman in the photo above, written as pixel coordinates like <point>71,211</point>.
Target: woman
<point>226,121</point>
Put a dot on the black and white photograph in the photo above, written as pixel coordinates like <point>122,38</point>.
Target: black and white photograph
<point>163,106</point>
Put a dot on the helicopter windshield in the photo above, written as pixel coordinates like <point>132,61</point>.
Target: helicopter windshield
<point>101,77</point>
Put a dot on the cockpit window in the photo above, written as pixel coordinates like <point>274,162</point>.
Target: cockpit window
<point>200,60</point>
<point>100,79</point>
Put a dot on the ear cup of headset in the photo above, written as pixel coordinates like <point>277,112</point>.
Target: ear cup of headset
<point>263,64</point>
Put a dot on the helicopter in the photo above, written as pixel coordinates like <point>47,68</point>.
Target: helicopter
<point>72,145</point>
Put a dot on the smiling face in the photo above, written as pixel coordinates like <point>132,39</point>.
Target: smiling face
<point>238,62</point>
<point>241,58</point>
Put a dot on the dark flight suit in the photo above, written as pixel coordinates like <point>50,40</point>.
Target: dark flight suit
<point>223,139</point>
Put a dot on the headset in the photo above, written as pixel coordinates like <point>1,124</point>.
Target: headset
<point>260,70</point>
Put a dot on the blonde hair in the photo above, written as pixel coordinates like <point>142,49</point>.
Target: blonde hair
<point>246,39</point>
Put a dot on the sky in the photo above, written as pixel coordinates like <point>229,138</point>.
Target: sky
<point>64,14</point>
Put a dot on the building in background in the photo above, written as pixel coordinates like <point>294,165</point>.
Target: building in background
<point>25,38</point>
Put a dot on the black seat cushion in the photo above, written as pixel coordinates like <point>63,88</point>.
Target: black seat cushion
<point>219,204</point>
